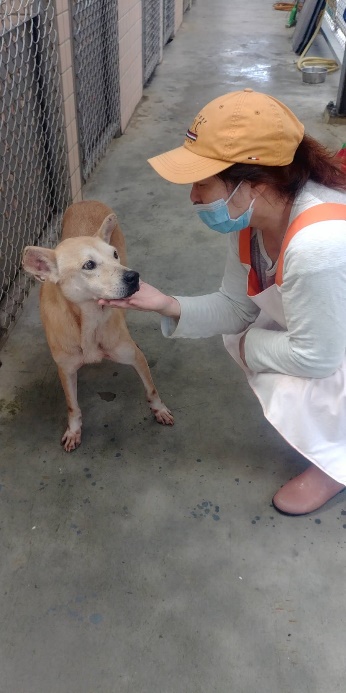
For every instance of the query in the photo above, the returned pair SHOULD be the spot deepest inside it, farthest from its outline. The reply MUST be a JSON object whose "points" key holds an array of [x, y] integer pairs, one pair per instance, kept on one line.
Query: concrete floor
{"points": [[151, 559]]}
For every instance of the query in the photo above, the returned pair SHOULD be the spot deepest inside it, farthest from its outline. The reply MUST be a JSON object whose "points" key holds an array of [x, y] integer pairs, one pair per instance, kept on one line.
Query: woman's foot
{"points": [[306, 492]]}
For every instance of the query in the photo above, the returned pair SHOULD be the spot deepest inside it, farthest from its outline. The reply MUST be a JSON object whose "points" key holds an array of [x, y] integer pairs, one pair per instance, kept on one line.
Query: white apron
{"points": [[309, 413]]}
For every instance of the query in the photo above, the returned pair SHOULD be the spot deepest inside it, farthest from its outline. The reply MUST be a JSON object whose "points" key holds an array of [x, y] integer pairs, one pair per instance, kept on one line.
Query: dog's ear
{"points": [[109, 224], [41, 262]]}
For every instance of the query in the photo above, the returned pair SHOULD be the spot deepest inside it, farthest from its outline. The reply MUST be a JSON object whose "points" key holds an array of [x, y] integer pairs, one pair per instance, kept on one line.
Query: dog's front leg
{"points": [[128, 352], [72, 436]]}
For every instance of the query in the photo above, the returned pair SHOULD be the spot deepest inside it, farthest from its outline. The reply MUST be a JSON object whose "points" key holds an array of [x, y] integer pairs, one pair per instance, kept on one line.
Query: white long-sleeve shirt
{"points": [[313, 297]]}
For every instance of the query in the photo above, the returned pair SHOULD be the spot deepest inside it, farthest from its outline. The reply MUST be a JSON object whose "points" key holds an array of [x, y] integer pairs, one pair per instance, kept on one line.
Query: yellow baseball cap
{"points": [[244, 127]]}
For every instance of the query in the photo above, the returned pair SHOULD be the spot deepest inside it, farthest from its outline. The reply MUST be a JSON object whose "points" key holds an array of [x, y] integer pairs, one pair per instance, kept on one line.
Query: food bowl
{"points": [[314, 74]]}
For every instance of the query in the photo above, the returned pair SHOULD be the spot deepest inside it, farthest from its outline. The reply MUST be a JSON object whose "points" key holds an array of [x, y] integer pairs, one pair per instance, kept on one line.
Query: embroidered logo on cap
{"points": [[191, 135]]}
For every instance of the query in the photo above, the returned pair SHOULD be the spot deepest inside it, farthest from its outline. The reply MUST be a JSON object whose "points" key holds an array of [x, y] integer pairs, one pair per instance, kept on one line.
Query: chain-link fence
{"points": [[151, 18], [168, 20], [34, 175], [335, 22], [33, 165], [96, 52]]}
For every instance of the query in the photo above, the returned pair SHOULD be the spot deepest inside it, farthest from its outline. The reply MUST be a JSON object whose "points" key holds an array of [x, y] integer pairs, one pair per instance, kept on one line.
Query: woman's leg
{"points": [[306, 492]]}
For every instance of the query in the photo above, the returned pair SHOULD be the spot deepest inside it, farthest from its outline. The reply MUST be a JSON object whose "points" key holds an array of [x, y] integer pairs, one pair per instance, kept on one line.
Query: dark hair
{"points": [[312, 161]]}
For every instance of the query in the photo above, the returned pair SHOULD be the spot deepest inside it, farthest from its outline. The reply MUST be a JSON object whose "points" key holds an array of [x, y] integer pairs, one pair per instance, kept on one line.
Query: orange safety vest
{"points": [[326, 211]]}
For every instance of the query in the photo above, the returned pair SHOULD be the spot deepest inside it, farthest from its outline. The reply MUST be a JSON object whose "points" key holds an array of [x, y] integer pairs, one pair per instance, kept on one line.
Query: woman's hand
{"points": [[147, 298]]}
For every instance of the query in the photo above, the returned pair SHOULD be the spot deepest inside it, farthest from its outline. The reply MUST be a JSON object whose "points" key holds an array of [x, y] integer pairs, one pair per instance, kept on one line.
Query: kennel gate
{"points": [[33, 163], [151, 20], [96, 55], [168, 20]]}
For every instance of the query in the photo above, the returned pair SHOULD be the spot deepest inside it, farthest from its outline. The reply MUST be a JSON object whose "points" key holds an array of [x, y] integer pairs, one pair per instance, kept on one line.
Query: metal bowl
{"points": [[314, 74]]}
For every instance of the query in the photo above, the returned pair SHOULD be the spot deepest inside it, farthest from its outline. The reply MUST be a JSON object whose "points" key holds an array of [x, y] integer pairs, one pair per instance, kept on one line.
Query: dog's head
{"points": [[86, 268]]}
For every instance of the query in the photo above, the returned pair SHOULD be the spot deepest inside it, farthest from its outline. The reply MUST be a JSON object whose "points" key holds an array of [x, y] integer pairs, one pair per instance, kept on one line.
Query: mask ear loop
{"points": [[234, 192]]}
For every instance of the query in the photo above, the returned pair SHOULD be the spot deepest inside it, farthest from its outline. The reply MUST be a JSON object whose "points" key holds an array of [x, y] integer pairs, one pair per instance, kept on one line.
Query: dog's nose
{"points": [[131, 278]]}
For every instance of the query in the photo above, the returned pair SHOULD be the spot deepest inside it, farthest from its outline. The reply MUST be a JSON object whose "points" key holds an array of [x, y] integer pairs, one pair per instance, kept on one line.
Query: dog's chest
{"points": [[93, 330]]}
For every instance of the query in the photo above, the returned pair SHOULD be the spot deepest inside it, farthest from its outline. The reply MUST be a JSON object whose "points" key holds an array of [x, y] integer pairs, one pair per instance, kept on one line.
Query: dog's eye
{"points": [[90, 265], [116, 255]]}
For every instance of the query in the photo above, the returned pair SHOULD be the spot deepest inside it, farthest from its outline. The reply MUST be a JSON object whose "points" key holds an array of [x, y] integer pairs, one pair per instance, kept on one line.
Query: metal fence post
{"points": [[341, 97]]}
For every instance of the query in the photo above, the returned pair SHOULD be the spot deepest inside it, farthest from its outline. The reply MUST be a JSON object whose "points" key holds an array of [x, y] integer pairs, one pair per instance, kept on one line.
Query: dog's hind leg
{"points": [[73, 434], [127, 352]]}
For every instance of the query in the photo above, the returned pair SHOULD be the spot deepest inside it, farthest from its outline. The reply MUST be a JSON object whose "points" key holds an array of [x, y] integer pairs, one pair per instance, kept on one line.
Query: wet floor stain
{"points": [[206, 509], [78, 609], [95, 619], [107, 396], [75, 528], [343, 513], [88, 475]]}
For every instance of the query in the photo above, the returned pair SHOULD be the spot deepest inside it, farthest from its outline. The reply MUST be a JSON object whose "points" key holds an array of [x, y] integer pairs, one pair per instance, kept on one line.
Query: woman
{"points": [[281, 308]]}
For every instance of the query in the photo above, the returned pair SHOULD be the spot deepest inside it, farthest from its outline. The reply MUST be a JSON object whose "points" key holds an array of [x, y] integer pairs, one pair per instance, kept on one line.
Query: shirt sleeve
{"points": [[227, 311], [314, 304]]}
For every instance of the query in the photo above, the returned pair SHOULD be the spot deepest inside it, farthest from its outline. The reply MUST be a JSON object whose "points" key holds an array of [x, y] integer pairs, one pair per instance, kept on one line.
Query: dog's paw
{"points": [[71, 439], [164, 415]]}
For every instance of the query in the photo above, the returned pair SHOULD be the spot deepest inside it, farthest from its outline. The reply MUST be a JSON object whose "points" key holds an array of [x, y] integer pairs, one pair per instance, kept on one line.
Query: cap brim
{"points": [[183, 166]]}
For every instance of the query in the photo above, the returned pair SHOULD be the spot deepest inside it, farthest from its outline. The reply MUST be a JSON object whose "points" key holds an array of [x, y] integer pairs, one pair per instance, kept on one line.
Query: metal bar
{"points": [[341, 97]]}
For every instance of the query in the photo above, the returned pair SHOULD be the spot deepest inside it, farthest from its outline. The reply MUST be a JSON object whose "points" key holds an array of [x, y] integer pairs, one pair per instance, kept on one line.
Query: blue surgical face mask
{"points": [[216, 215]]}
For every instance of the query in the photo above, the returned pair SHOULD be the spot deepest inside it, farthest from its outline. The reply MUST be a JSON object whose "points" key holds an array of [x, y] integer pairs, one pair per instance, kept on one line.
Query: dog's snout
{"points": [[131, 278]]}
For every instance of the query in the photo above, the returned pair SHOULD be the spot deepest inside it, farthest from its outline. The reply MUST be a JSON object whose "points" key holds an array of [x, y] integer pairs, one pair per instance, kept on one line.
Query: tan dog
{"points": [[88, 264]]}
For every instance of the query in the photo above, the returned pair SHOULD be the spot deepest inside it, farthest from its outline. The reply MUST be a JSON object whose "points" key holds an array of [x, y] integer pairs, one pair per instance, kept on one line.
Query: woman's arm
{"points": [[227, 311]]}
